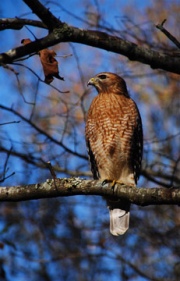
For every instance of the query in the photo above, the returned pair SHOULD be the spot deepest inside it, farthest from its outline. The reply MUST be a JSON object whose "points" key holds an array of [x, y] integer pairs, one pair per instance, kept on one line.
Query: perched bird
{"points": [[115, 141]]}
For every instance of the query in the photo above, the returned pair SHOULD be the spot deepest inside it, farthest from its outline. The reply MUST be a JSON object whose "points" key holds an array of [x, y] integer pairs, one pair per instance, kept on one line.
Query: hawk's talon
{"points": [[113, 182], [104, 182]]}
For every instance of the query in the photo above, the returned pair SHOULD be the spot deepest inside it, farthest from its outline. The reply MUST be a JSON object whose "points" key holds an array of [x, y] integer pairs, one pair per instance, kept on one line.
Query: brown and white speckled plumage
{"points": [[114, 140]]}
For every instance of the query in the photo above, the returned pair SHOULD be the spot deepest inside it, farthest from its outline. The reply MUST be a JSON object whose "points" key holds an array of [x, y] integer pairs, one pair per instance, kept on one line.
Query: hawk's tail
{"points": [[119, 218]]}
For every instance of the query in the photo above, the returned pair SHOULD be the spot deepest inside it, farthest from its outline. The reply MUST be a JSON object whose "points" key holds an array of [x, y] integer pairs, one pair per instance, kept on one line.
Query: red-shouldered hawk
{"points": [[115, 141]]}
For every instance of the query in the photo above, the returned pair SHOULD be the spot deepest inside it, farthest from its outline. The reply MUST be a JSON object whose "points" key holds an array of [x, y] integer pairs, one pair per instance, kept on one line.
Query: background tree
{"points": [[68, 238]]}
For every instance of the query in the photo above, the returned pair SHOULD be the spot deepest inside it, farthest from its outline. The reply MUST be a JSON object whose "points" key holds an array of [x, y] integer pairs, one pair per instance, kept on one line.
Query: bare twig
{"points": [[63, 92], [10, 68], [31, 33], [51, 169], [21, 92], [41, 131], [5, 169], [11, 122], [16, 23], [168, 34]]}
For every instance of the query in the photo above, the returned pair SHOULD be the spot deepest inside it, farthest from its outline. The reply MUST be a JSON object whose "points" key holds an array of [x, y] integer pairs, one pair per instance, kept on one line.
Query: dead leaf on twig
{"points": [[25, 41], [49, 63]]}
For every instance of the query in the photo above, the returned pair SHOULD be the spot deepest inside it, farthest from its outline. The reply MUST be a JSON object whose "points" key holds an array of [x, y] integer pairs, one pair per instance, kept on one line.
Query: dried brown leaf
{"points": [[50, 65], [48, 61], [26, 41]]}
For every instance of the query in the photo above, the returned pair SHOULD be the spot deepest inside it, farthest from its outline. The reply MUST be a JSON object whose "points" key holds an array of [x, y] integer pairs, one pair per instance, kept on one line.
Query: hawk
{"points": [[114, 140]]}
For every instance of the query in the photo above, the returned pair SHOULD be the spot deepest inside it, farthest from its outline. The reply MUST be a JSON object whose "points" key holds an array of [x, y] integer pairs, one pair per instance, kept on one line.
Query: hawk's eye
{"points": [[103, 76]]}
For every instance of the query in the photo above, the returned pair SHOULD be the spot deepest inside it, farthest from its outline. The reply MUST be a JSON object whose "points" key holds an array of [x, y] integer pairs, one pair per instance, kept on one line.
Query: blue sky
{"points": [[112, 12]]}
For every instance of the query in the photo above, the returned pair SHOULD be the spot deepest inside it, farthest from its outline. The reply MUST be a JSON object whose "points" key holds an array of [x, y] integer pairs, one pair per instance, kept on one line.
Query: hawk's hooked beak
{"points": [[91, 81]]}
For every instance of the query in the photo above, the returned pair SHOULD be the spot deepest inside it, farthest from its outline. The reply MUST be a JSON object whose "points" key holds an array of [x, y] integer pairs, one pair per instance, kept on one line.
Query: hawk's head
{"points": [[107, 82]]}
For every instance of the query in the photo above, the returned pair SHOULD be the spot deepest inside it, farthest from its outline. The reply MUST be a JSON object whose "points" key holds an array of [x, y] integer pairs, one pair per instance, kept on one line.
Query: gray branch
{"points": [[17, 24], [76, 186], [62, 32]]}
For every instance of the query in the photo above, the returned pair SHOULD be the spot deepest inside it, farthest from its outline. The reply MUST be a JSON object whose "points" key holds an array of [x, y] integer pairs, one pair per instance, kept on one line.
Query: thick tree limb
{"points": [[76, 186], [44, 14], [99, 40], [62, 32]]}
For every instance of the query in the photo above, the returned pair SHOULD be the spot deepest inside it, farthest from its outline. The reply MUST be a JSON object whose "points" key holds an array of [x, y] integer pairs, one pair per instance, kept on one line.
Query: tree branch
{"points": [[62, 32], [168, 34], [99, 40], [76, 186], [44, 14], [16, 23]]}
